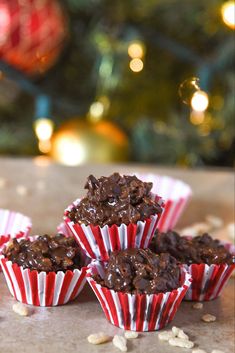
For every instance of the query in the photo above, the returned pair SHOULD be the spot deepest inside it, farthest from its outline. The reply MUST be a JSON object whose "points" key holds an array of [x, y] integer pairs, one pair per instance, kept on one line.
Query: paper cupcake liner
{"points": [[208, 281], [138, 312], [99, 242], [42, 288], [175, 194], [65, 230], [13, 225]]}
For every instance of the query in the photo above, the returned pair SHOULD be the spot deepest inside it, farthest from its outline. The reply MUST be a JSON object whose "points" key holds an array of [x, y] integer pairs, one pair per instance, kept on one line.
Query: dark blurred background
{"points": [[96, 80]]}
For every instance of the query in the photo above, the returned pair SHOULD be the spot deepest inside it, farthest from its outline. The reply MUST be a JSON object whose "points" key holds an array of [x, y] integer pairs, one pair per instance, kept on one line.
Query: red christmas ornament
{"points": [[32, 33]]}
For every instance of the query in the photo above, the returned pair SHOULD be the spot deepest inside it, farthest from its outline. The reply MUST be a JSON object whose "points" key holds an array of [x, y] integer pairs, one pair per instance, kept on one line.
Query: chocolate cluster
{"points": [[114, 200], [139, 271], [46, 253], [197, 250]]}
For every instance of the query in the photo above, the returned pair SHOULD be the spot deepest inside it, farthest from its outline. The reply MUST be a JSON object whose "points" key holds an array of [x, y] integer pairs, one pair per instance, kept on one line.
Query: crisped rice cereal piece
{"points": [[120, 343], [20, 309], [98, 338], [198, 306], [166, 335], [131, 334], [180, 342], [179, 333], [208, 318]]}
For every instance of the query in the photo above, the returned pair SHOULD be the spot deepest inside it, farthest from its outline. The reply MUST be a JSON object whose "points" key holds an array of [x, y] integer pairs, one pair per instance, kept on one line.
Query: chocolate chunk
{"points": [[140, 271], [197, 250], [46, 253], [114, 200]]}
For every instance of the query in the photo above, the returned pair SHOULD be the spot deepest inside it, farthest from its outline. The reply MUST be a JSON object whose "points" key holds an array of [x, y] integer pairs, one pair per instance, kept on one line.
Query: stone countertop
{"points": [[64, 329], [49, 189]]}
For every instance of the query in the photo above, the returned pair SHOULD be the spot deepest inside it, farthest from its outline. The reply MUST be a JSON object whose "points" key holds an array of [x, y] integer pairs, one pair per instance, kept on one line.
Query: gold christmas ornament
{"points": [[79, 141]]}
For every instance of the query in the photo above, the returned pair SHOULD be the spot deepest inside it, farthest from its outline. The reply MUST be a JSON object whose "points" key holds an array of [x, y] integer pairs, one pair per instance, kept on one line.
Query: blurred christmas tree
{"points": [[123, 61]]}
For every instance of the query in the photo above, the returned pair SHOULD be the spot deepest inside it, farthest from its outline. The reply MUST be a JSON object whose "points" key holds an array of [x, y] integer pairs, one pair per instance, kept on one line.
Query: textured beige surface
{"points": [[64, 329], [213, 191]]}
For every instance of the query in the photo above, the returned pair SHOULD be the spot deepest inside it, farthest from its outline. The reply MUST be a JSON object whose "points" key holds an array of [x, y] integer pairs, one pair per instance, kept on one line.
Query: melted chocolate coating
{"points": [[114, 200], [199, 249], [140, 271], [46, 253]]}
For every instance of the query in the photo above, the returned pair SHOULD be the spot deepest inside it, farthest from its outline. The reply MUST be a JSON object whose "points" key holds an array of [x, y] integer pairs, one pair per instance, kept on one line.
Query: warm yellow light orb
{"points": [[136, 50], [200, 101], [69, 150], [96, 110], [136, 65], [228, 13], [197, 118], [43, 129], [44, 146]]}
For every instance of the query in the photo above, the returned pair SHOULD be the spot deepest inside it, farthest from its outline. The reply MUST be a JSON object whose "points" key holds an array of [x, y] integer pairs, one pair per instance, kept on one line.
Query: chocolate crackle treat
{"points": [[209, 262], [137, 289], [44, 270], [45, 253], [139, 271], [197, 250], [115, 200]]}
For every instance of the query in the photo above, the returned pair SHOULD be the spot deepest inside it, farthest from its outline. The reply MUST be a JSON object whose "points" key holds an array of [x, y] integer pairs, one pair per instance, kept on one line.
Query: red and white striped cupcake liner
{"points": [[99, 242], [64, 229], [208, 281], [42, 288], [13, 225], [137, 312], [175, 194]]}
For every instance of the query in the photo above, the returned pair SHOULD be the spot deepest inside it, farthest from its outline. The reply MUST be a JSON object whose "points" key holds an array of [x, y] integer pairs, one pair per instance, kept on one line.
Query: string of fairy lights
{"points": [[136, 51]]}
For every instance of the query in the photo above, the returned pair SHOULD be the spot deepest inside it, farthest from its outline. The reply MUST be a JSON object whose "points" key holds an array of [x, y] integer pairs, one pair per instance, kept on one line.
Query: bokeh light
{"points": [[5, 21], [43, 128], [187, 89], [228, 13], [197, 118], [96, 111], [200, 101], [44, 146], [136, 50], [68, 150], [136, 65]]}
